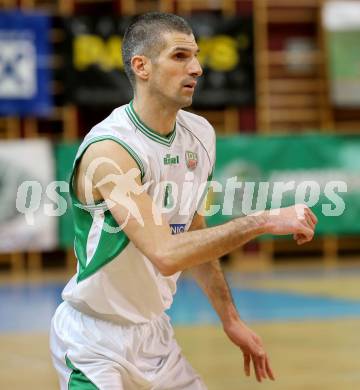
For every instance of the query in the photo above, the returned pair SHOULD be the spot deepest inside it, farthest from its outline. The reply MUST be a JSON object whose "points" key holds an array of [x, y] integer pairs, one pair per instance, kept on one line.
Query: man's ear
{"points": [[141, 66]]}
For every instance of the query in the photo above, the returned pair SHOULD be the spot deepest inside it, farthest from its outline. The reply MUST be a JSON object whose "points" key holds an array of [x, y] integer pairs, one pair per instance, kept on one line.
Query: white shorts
{"points": [[90, 354]]}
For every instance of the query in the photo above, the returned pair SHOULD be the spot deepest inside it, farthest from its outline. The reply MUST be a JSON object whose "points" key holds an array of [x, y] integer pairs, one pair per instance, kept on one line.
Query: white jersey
{"points": [[114, 280]]}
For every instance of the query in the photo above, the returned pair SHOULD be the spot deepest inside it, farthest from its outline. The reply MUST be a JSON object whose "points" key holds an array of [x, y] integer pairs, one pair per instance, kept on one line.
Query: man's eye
{"points": [[180, 55]]}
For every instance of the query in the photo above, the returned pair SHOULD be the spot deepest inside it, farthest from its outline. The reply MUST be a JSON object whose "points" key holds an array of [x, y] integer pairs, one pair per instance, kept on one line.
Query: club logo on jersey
{"points": [[177, 228], [171, 160], [191, 160]]}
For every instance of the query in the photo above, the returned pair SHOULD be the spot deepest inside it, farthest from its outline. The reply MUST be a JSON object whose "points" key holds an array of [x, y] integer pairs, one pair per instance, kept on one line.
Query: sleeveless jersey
{"points": [[114, 280]]}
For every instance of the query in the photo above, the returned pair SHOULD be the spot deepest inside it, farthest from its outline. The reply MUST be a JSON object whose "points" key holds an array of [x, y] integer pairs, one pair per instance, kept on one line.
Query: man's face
{"points": [[175, 70]]}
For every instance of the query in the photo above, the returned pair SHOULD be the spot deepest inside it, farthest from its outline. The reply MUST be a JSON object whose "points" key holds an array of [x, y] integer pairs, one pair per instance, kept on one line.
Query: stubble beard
{"points": [[178, 100]]}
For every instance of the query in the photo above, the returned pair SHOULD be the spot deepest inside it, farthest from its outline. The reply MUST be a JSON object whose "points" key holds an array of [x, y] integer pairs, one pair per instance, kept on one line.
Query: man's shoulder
{"points": [[190, 119], [117, 118], [116, 125], [199, 126]]}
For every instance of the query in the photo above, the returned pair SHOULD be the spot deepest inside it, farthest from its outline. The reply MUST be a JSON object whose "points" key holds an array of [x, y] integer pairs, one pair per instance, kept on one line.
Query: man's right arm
{"points": [[172, 253]]}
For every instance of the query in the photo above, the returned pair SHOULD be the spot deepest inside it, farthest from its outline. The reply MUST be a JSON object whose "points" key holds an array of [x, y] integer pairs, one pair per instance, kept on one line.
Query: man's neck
{"points": [[157, 115]]}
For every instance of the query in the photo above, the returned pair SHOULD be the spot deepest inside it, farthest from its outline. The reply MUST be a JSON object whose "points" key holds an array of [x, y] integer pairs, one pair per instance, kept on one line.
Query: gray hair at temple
{"points": [[144, 36]]}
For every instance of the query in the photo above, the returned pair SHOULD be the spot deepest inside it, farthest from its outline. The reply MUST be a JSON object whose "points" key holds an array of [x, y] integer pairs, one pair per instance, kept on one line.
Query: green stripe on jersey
{"points": [[164, 140], [78, 380], [132, 153], [94, 246]]}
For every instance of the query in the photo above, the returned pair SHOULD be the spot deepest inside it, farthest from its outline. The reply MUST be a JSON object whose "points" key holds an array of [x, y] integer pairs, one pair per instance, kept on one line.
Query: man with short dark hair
{"points": [[137, 180]]}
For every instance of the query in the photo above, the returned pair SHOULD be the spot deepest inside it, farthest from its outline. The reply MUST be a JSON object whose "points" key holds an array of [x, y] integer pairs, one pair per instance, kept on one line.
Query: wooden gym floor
{"points": [[309, 321]]}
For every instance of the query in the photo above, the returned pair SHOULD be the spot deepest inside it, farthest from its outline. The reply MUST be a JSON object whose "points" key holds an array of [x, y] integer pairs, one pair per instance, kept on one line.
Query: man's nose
{"points": [[195, 68]]}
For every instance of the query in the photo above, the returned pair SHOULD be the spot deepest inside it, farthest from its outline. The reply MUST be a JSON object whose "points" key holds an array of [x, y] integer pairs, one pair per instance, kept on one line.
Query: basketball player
{"points": [[111, 331]]}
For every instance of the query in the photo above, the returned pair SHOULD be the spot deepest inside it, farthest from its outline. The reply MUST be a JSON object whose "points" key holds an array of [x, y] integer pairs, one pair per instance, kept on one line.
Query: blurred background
{"points": [[281, 86]]}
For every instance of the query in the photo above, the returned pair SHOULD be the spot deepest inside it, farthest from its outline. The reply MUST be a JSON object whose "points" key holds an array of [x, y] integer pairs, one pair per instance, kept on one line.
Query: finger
{"points": [[301, 239], [269, 371], [261, 355], [260, 360], [310, 219], [255, 361], [313, 216], [297, 238], [306, 231], [308, 223], [263, 366], [247, 361]]}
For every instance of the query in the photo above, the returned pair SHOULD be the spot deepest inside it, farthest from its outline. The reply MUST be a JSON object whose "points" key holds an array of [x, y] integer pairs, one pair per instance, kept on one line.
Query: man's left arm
{"points": [[211, 279]]}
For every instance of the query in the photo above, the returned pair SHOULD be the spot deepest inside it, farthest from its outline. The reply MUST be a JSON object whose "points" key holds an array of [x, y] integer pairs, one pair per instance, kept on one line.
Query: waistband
{"points": [[84, 308]]}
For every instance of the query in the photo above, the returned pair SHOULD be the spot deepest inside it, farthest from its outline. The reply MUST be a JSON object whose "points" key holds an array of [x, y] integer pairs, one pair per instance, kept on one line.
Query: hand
{"points": [[252, 349], [298, 220]]}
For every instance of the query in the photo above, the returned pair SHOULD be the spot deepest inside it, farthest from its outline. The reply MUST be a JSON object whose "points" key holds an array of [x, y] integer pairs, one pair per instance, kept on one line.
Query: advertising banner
{"points": [[24, 64], [27, 208], [95, 70], [342, 24], [257, 172], [323, 171], [227, 58]]}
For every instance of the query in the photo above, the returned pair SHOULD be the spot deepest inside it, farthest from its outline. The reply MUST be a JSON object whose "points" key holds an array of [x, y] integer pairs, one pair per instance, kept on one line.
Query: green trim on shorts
{"points": [[78, 380]]}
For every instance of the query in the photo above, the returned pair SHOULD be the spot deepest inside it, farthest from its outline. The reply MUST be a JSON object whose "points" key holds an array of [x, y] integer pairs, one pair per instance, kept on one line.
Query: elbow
{"points": [[168, 270], [165, 265]]}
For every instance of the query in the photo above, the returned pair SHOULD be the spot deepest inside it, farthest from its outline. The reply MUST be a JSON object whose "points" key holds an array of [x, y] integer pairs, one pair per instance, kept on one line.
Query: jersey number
{"points": [[168, 197]]}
